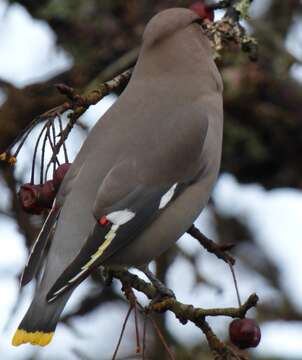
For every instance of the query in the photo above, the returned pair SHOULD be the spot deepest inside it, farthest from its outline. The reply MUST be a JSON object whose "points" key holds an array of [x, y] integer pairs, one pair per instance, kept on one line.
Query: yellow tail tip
{"points": [[35, 338]]}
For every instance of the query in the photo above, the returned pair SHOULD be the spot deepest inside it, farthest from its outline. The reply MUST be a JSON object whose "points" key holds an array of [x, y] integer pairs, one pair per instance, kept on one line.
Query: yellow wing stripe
{"points": [[109, 237], [108, 240], [35, 338]]}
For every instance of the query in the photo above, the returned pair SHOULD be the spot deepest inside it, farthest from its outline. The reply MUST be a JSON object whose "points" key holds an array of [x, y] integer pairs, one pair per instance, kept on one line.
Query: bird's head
{"points": [[170, 21], [174, 44]]}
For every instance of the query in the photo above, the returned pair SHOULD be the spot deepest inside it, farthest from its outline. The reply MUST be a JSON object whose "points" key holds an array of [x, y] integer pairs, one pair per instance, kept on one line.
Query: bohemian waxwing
{"points": [[143, 175]]}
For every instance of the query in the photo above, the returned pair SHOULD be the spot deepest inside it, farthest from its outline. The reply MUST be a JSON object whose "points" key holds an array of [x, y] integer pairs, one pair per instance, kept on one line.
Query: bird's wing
{"points": [[122, 211], [115, 229], [38, 248]]}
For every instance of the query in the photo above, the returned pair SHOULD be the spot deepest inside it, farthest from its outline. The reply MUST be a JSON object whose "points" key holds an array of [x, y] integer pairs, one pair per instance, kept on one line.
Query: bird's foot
{"points": [[107, 276], [162, 295]]}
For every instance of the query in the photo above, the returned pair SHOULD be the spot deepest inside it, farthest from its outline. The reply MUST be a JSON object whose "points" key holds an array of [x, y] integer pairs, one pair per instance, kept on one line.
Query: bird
{"points": [[141, 178]]}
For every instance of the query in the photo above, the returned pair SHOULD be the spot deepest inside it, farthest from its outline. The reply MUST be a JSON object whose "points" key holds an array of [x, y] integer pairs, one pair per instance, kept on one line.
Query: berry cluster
{"points": [[35, 198]]}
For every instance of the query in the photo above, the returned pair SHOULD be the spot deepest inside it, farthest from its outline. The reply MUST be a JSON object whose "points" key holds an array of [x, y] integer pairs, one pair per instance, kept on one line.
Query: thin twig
{"points": [[162, 339], [43, 156], [56, 160], [235, 284], [21, 144], [52, 145], [145, 336], [210, 245], [32, 178], [138, 345], [52, 142], [64, 145], [133, 303], [25, 132], [122, 333]]}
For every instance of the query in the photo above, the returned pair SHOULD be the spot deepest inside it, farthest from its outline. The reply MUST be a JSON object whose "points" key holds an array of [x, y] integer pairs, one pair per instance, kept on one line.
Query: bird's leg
{"points": [[162, 290], [106, 275]]}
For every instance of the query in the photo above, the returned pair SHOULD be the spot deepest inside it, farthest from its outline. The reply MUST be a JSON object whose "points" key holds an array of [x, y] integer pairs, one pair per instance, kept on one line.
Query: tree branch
{"points": [[186, 312], [228, 30], [210, 245]]}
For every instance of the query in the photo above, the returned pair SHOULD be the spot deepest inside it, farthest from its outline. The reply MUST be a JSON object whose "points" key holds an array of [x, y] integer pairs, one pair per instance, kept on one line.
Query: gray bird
{"points": [[143, 175]]}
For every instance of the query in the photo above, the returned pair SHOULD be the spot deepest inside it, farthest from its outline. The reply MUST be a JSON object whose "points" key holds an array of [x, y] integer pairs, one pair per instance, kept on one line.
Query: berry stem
{"points": [[32, 178], [235, 283], [21, 143], [64, 145], [56, 160], [23, 135], [145, 337], [162, 339], [122, 333], [52, 145], [138, 346], [43, 156]]}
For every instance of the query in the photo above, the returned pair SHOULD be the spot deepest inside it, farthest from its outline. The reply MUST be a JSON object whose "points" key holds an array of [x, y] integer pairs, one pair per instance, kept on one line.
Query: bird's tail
{"points": [[39, 323]]}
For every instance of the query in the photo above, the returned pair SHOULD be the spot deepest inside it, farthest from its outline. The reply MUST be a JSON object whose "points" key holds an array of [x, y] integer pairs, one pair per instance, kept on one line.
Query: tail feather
{"points": [[35, 338], [39, 323], [39, 246]]}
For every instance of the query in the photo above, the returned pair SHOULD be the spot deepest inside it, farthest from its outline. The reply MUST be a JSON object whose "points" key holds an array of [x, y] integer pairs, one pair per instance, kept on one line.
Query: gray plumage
{"points": [[155, 153]]}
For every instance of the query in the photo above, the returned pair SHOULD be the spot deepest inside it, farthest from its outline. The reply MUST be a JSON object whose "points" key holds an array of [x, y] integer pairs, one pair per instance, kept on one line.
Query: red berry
{"points": [[245, 333], [202, 10], [103, 221], [47, 195], [59, 174], [29, 196]]}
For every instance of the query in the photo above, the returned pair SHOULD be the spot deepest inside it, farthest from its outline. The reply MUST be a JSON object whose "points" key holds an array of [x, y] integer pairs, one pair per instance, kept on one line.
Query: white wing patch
{"points": [[120, 217], [166, 198]]}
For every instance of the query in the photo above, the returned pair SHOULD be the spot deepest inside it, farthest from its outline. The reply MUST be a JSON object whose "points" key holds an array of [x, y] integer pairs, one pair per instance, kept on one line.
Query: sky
{"points": [[28, 52]]}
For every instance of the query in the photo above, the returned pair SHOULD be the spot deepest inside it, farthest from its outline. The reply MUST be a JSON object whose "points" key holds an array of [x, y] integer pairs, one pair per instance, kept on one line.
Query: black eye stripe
{"points": [[198, 21]]}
